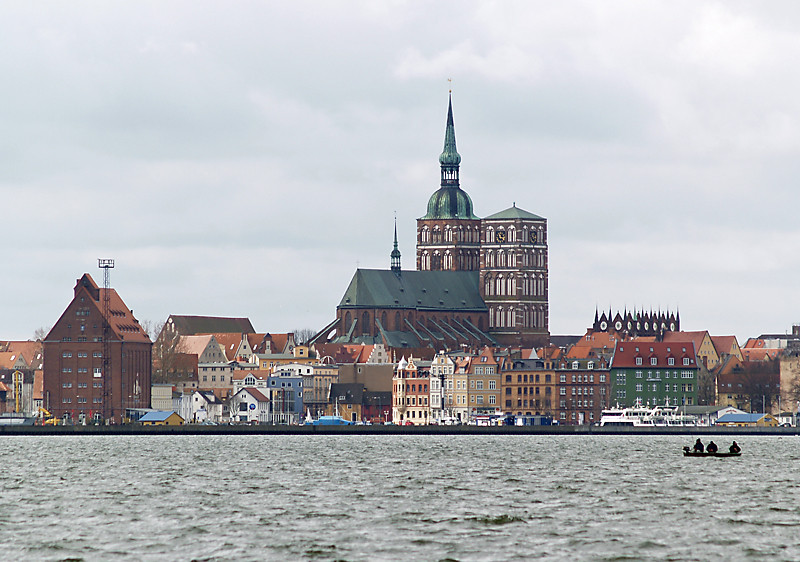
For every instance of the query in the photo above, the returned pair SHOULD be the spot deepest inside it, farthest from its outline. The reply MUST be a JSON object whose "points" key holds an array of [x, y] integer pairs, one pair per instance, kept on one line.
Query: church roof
{"points": [[450, 203], [513, 212], [192, 325], [421, 290]]}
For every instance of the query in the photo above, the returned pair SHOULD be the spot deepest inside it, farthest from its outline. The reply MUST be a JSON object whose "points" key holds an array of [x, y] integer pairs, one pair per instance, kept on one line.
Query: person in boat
{"points": [[698, 446], [711, 447], [734, 448]]}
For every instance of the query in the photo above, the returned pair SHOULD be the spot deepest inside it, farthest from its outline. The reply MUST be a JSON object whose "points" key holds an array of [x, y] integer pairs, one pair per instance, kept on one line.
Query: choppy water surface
{"points": [[396, 498]]}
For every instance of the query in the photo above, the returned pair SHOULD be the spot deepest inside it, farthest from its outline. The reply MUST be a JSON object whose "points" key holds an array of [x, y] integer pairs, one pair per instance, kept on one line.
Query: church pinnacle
{"points": [[450, 158], [395, 255]]}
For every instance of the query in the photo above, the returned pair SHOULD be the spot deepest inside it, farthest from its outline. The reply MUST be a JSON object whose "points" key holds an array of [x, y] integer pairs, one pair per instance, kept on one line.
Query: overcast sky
{"points": [[242, 159]]}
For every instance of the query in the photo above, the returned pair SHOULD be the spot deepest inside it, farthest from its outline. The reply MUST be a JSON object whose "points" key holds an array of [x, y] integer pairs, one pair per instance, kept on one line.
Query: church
{"points": [[478, 281]]}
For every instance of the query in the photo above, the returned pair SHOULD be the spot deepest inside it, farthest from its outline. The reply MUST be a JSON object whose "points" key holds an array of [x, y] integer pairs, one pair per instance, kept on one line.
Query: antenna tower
{"points": [[106, 265]]}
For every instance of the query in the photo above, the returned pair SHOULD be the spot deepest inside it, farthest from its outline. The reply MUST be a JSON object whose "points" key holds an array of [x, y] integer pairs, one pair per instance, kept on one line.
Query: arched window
{"points": [[365, 329], [347, 320], [487, 285], [397, 321], [383, 320], [498, 286]]}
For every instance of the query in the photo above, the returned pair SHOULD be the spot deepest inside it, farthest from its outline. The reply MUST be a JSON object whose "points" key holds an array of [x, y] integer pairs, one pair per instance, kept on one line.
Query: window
{"points": [[653, 361], [574, 364], [602, 378], [563, 378], [480, 398], [638, 360], [480, 385], [638, 374], [492, 385], [563, 391], [671, 361], [686, 361], [66, 354], [98, 372]]}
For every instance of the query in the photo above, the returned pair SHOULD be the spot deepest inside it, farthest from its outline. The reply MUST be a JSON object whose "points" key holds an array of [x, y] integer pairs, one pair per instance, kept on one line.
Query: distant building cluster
{"points": [[463, 338]]}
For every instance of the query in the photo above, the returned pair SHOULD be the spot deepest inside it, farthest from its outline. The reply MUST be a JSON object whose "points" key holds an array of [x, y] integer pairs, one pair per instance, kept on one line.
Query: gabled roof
{"points": [[255, 393], [160, 415], [229, 342], [695, 337], [124, 326], [195, 345], [192, 325], [346, 393], [740, 418], [724, 344], [30, 350], [420, 290], [513, 212]]}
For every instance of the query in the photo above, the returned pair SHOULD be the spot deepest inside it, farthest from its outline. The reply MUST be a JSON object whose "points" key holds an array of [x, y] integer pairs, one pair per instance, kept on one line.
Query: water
{"points": [[424, 497]]}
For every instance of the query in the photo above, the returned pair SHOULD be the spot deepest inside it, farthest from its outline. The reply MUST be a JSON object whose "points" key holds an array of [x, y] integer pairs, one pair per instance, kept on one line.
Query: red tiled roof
{"points": [[626, 353], [694, 337], [724, 344], [255, 393]]}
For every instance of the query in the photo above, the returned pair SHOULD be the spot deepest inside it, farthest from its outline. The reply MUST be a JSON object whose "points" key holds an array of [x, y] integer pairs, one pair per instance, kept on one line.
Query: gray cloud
{"points": [[243, 160]]}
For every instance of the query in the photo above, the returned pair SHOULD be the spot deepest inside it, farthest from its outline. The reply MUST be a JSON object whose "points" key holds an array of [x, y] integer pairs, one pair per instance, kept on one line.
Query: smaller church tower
{"points": [[395, 255], [448, 236]]}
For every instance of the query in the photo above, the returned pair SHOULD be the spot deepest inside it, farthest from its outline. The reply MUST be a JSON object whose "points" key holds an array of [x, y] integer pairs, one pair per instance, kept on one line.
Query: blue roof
{"points": [[156, 416], [740, 418]]}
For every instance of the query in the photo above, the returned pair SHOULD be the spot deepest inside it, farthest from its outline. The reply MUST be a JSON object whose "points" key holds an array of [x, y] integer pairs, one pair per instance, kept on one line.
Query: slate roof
{"points": [[420, 290], [192, 325]]}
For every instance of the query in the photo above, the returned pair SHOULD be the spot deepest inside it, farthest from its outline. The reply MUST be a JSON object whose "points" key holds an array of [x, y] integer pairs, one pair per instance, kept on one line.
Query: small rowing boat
{"points": [[689, 453]]}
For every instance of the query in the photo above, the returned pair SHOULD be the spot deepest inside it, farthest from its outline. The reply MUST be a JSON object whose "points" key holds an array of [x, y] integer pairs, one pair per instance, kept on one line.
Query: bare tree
{"points": [[706, 386], [171, 364], [302, 335], [40, 333]]}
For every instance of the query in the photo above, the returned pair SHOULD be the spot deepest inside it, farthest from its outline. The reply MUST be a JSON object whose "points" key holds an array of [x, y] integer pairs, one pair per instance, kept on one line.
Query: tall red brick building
{"points": [[87, 378]]}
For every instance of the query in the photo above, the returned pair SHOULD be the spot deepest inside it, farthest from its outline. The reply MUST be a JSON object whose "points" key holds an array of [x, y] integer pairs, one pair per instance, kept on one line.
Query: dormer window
{"points": [[574, 364], [671, 361], [685, 360], [653, 360], [638, 360]]}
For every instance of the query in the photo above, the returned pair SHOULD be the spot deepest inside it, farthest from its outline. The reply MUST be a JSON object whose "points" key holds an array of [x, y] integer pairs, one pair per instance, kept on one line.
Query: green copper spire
{"points": [[450, 201], [450, 156], [395, 255]]}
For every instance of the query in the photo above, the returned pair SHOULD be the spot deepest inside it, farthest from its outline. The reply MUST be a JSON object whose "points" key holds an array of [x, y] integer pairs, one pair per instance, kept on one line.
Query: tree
{"points": [[302, 335], [706, 386], [40, 333], [170, 361]]}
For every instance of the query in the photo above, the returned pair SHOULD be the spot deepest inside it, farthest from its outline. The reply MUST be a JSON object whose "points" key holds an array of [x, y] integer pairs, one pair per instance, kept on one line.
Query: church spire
{"points": [[395, 255], [450, 158]]}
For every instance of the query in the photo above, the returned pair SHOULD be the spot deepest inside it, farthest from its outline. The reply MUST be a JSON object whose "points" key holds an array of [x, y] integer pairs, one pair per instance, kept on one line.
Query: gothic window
{"points": [[436, 261], [397, 321], [347, 320], [498, 288], [490, 235], [512, 234], [383, 320], [448, 234], [489, 258], [365, 323], [501, 258], [510, 319], [498, 322], [448, 259], [487, 285], [480, 323], [437, 235], [512, 286]]}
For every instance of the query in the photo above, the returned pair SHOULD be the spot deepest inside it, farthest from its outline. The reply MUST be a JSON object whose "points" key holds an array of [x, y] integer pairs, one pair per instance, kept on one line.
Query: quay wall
{"points": [[386, 430]]}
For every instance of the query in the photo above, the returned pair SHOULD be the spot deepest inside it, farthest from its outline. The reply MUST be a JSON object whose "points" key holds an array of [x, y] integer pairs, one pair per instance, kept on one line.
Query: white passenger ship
{"points": [[640, 416]]}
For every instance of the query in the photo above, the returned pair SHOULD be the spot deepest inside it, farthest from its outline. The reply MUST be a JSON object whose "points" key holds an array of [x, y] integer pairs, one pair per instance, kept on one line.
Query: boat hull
{"points": [[707, 454]]}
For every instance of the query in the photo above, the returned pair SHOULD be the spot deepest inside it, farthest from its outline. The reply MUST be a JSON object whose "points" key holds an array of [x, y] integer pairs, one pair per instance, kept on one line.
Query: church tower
{"points": [[448, 236], [514, 277]]}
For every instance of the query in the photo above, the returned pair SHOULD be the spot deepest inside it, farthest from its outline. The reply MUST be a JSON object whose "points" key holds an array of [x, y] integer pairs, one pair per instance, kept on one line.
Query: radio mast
{"points": [[106, 265]]}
